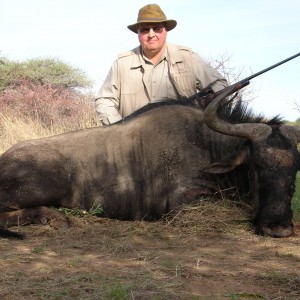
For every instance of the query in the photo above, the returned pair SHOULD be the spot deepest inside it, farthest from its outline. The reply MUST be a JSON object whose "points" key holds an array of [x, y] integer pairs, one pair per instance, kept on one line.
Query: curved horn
{"points": [[254, 132]]}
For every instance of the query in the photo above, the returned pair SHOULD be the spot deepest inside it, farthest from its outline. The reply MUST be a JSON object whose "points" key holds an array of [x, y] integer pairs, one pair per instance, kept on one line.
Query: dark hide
{"points": [[143, 168]]}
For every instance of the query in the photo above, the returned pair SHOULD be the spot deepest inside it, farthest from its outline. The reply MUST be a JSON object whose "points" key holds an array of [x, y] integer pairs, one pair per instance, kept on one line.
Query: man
{"points": [[154, 71]]}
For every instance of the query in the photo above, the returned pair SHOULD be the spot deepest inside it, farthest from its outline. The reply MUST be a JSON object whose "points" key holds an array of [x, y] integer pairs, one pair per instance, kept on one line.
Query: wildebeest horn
{"points": [[254, 132]]}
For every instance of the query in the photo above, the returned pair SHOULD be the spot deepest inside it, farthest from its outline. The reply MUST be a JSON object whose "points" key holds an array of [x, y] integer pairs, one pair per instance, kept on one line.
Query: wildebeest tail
{"points": [[5, 233]]}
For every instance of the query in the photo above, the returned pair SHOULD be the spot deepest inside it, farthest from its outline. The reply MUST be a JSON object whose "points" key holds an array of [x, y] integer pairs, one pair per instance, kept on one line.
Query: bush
{"points": [[31, 112], [45, 103]]}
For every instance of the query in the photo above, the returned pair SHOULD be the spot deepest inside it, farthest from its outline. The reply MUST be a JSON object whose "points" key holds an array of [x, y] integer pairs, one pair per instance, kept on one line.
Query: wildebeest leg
{"points": [[41, 214]]}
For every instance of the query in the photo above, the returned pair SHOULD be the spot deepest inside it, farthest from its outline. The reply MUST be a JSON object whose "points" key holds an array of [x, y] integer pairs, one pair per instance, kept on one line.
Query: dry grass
{"points": [[207, 214]]}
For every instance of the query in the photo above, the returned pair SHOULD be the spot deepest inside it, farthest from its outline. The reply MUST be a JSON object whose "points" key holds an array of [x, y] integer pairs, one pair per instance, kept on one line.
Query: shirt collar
{"points": [[139, 59]]}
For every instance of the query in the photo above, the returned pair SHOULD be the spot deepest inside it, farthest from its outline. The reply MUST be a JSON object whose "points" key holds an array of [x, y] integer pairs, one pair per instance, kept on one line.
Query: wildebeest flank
{"points": [[152, 163]]}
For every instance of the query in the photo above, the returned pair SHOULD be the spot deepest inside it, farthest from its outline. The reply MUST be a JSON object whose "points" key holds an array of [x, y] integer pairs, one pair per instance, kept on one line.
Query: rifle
{"points": [[207, 95]]}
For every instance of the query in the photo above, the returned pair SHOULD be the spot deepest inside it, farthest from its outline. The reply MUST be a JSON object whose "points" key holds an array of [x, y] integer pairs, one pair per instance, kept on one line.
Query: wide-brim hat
{"points": [[152, 13]]}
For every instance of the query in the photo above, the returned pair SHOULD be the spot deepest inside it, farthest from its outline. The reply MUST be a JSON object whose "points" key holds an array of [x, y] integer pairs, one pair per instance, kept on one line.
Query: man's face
{"points": [[152, 37]]}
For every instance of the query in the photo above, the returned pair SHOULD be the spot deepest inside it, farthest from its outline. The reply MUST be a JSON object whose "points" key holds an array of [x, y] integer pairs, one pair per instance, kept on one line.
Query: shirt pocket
{"points": [[132, 82], [184, 80]]}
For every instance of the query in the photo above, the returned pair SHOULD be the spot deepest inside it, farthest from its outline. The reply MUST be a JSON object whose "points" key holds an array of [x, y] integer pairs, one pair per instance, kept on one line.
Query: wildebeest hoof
{"points": [[60, 224], [43, 221], [277, 230]]}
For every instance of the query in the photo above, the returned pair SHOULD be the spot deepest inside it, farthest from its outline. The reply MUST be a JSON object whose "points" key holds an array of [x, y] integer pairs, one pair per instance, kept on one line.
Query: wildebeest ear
{"points": [[292, 133], [228, 164]]}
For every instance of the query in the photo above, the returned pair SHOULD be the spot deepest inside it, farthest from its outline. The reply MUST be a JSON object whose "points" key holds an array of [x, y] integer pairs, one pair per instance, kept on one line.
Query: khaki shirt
{"points": [[133, 81]]}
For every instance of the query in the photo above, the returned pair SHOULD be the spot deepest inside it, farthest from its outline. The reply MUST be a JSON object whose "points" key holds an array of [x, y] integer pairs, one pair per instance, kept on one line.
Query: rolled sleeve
{"points": [[107, 111]]}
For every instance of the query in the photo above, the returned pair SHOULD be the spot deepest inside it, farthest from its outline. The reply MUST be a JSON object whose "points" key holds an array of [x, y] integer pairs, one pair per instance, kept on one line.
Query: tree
{"points": [[41, 71], [232, 75]]}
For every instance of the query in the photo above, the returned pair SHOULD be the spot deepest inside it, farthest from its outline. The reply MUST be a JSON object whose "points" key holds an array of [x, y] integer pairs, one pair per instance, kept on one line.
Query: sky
{"points": [[89, 34]]}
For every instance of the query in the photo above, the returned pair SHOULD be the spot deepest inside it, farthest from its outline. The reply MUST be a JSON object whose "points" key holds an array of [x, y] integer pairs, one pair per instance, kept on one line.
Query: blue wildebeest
{"points": [[157, 160]]}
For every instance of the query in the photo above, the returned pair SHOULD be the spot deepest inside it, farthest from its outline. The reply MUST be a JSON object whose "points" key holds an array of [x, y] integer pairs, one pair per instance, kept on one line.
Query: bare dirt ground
{"points": [[207, 251]]}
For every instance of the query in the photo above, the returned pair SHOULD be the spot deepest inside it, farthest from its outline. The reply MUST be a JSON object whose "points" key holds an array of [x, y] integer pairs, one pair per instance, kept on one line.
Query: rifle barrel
{"points": [[270, 68], [208, 95]]}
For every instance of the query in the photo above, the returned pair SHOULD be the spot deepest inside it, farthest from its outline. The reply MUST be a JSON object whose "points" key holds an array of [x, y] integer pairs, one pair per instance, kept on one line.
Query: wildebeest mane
{"points": [[236, 112], [167, 102], [239, 113]]}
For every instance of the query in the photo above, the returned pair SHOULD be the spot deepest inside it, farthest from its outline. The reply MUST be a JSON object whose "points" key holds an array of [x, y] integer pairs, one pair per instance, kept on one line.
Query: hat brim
{"points": [[169, 24]]}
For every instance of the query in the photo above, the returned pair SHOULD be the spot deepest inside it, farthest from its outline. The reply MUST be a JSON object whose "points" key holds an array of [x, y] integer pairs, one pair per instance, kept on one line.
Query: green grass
{"points": [[239, 296], [117, 291], [296, 199], [95, 210]]}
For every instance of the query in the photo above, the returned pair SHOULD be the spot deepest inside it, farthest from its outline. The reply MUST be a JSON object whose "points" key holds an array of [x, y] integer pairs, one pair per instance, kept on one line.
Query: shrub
{"points": [[45, 103], [28, 112]]}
